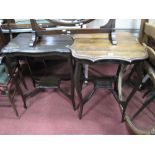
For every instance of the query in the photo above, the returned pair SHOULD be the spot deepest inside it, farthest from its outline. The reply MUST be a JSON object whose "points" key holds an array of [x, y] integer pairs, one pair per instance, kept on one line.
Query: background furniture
{"points": [[10, 84], [147, 38], [10, 77]]}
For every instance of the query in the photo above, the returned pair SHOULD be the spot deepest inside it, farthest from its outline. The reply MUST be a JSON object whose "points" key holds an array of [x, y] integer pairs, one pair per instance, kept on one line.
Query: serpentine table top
{"points": [[91, 47], [20, 45], [95, 47]]}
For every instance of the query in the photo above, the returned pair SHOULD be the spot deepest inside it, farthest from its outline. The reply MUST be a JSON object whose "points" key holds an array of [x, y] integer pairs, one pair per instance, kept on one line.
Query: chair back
{"points": [[147, 37]]}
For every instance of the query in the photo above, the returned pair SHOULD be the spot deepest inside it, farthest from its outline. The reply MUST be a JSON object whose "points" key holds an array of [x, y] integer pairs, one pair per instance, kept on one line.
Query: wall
{"points": [[120, 23]]}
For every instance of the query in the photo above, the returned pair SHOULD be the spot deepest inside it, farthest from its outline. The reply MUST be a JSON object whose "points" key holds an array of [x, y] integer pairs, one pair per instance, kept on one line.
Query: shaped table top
{"points": [[20, 45], [95, 47]]}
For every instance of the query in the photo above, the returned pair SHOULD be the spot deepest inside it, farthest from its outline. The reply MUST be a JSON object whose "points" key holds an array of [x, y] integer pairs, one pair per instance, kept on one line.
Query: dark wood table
{"points": [[46, 47], [20, 45]]}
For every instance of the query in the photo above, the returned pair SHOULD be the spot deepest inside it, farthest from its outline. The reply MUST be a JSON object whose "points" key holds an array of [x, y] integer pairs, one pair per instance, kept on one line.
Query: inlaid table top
{"points": [[47, 44], [96, 47]]}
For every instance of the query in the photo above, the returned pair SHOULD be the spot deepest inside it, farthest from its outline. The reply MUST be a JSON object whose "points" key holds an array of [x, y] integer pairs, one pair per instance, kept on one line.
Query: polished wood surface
{"points": [[24, 24], [96, 47], [18, 26], [21, 26], [74, 31], [91, 47], [46, 44]]}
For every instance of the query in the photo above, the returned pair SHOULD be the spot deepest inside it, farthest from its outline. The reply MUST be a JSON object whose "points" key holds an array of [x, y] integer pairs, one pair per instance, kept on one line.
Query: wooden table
{"points": [[46, 47], [96, 48], [87, 49]]}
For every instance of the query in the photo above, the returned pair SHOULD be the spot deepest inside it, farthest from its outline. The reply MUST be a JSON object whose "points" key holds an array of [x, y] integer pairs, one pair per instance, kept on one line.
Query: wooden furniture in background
{"points": [[147, 38], [10, 77]]}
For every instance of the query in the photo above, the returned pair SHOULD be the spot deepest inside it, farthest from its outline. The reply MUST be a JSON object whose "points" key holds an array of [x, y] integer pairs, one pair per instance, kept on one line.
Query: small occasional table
{"points": [[47, 46], [97, 48]]}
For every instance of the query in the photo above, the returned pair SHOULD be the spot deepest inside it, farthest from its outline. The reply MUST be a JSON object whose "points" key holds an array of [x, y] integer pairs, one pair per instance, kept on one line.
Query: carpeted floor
{"points": [[49, 112]]}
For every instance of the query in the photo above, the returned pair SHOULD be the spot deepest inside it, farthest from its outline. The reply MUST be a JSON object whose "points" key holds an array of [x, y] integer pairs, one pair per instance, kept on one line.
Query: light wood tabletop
{"points": [[96, 47]]}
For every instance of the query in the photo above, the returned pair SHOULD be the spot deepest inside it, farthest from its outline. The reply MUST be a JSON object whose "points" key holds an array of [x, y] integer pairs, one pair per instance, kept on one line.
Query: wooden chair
{"points": [[147, 38]]}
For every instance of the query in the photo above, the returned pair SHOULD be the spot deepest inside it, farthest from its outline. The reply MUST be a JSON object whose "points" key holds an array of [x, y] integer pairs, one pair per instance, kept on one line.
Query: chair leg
{"points": [[146, 103], [12, 104]]}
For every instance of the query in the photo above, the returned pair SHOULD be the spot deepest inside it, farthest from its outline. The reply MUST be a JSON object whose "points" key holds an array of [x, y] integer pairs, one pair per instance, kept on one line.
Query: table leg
{"points": [[28, 64], [13, 104], [72, 81], [78, 86]]}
